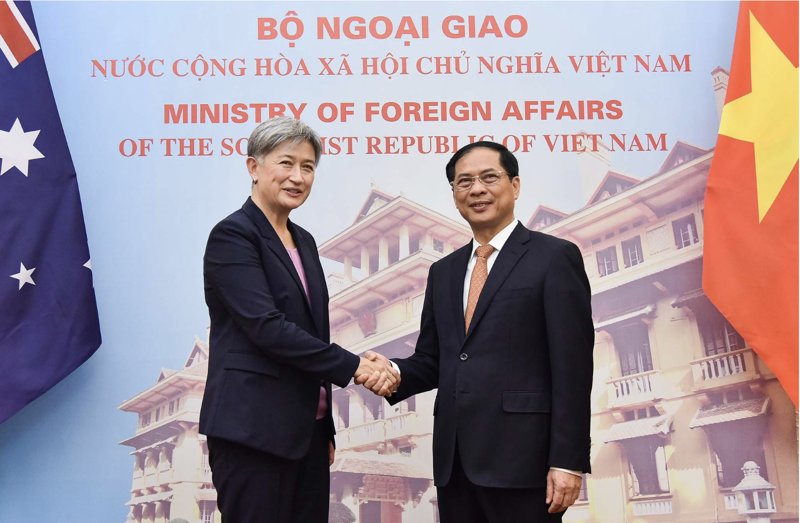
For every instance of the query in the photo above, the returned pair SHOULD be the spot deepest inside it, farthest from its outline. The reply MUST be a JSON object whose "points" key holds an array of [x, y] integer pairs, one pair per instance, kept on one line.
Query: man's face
{"points": [[485, 207]]}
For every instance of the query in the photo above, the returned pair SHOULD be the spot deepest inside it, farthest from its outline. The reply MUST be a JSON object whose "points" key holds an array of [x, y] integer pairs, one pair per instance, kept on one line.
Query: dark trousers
{"points": [[461, 501], [256, 487]]}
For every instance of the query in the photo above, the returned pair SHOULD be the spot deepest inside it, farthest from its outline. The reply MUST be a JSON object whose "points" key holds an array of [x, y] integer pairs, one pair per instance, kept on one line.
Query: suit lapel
{"points": [[274, 242], [313, 278], [508, 257], [457, 274]]}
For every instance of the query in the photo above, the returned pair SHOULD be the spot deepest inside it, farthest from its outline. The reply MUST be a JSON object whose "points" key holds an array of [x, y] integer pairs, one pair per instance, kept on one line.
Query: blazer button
{"points": [[464, 356]]}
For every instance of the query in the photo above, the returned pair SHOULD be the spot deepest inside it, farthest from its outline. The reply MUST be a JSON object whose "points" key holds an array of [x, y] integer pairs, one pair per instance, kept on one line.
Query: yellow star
{"points": [[767, 116]]}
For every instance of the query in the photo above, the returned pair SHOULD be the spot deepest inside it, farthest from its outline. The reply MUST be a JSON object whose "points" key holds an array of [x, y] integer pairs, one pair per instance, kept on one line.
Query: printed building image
{"points": [[680, 401], [171, 474]]}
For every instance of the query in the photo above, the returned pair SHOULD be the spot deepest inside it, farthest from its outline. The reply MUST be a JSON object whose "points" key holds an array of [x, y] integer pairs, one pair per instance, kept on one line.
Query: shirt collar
{"points": [[499, 239]]}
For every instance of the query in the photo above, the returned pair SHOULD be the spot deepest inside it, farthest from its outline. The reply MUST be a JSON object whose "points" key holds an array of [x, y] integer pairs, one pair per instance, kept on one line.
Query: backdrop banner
{"points": [[613, 111]]}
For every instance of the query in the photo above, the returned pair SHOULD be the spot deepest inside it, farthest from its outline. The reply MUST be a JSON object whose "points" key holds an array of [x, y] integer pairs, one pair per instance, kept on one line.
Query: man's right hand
{"points": [[377, 372]]}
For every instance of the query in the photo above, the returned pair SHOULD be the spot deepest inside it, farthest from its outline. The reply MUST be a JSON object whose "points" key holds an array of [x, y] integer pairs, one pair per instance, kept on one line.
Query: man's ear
{"points": [[515, 183]]}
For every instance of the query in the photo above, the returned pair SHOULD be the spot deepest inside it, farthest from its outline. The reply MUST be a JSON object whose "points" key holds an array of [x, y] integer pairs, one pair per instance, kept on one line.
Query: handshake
{"points": [[377, 374]]}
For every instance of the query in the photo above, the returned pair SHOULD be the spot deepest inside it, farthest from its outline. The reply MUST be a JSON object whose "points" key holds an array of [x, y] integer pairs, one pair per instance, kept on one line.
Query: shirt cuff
{"points": [[573, 472], [394, 366]]}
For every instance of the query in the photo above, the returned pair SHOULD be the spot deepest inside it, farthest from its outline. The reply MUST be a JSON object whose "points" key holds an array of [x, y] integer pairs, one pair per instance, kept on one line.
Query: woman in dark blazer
{"points": [[266, 411]]}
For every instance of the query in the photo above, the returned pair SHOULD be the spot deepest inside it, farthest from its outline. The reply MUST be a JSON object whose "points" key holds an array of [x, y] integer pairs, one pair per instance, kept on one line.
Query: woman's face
{"points": [[284, 176]]}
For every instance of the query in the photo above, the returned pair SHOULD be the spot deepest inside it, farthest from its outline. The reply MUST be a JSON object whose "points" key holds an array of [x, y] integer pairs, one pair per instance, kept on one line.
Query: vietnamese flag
{"points": [[751, 207]]}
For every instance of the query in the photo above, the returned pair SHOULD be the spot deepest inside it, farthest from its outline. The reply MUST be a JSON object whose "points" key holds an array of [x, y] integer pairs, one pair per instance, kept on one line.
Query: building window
{"points": [[647, 461], [607, 261], [632, 251], [584, 494], [685, 231], [633, 347], [172, 407], [158, 414], [146, 420], [167, 506], [731, 453], [719, 336], [207, 509], [438, 245]]}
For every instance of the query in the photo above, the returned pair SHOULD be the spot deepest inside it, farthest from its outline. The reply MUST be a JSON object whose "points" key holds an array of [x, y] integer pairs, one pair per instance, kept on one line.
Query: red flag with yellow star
{"points": [[751, 206]]}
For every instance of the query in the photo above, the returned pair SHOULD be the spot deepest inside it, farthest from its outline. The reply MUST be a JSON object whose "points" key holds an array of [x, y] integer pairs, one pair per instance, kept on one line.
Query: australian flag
{"points": [[48, 312]]}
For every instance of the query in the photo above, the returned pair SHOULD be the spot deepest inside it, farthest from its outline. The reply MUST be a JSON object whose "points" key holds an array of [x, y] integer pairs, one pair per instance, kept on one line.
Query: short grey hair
{"points": [[273, 132]]}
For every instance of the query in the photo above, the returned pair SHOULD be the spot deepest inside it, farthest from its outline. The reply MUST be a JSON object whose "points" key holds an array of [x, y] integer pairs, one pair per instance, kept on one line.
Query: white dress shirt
{"points": [[498, 242]]}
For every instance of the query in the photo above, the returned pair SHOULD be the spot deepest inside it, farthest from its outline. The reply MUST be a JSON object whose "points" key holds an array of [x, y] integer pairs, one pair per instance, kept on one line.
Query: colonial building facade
{"points": [[171, 474]]}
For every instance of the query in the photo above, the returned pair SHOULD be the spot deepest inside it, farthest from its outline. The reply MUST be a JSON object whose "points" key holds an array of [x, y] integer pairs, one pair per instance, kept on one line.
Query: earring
{"points": [[255, 181]]}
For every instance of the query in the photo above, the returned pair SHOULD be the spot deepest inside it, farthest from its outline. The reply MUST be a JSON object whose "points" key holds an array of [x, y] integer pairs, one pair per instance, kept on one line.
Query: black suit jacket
{"points": [[269, 347], [515, 390]]}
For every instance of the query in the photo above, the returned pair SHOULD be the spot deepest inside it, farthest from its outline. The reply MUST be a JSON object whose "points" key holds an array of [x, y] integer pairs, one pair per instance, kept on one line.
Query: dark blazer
{"points": [[515, 390], [269, 347]]}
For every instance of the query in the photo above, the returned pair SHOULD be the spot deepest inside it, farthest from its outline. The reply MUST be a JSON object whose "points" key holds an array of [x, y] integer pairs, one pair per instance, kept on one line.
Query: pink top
{"points": [[322, 408]]}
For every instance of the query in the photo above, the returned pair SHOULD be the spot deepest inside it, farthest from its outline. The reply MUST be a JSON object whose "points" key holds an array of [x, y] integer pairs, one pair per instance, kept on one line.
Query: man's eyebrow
{"points": [[488, 169]]}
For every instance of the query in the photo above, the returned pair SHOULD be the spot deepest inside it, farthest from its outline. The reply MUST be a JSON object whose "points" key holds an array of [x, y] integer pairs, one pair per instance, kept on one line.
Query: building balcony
{"points": [[634, 390], [402, 426], [658, 506], [151, 479], [165, 476], [138, 480], [375, 434], [204, 474], [369, 434], [725, 369]]}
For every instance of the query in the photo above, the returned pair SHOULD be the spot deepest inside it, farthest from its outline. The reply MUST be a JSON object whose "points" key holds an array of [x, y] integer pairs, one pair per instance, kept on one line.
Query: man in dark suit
{"points": [[506, 335]]}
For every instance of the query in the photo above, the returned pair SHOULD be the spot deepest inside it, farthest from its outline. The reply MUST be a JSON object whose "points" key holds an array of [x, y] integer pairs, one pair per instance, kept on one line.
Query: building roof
{"points": [[198, 353], [681, 153], [657, 426], [687, 297], [198, 369], [542, 212], [379, 465], [151, 498], [407, 273], [172, 383], [375, 195], [624, 316], [643, 201], [735, 411], [166, 373], [386, 221], [169, 441], [611, 178]]}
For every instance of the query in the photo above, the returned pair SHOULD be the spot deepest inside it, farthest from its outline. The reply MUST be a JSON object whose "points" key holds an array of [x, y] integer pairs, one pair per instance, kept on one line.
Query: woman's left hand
{"points": [[331, 453]]}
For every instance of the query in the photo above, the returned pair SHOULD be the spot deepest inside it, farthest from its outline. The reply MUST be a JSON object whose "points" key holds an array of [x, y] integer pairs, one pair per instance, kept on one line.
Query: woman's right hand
{"points": [[378, 370]]}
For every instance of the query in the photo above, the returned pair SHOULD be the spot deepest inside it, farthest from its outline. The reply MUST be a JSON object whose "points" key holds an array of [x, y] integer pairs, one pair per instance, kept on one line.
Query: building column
{"points": [[383, 252], [448, 247], [364, 261], [427, 242], [348, 268], [405, 242], [357, 410]]}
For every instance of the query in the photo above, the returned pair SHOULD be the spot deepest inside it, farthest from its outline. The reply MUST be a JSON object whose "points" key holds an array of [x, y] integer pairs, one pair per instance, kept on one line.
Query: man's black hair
{"points": [[507, 160]]}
